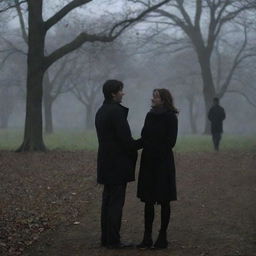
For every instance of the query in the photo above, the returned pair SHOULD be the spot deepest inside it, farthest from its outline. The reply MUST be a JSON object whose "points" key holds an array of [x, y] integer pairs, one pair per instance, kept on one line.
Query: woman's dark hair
{"points": [[167, 98], [111, 86]]}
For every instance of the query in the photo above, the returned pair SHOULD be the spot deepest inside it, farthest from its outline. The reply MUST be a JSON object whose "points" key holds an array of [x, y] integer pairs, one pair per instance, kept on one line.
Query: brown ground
{"points": [[50, 206]]}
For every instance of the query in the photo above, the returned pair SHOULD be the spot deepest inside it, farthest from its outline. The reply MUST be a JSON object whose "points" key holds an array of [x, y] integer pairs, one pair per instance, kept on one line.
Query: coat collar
{"points": [[109, 102], [159, 110], [125, 109]]}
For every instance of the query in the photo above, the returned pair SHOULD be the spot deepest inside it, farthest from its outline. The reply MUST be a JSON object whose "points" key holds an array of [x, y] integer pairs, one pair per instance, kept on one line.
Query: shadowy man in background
{"points": [[117, 155], [216, 116]]}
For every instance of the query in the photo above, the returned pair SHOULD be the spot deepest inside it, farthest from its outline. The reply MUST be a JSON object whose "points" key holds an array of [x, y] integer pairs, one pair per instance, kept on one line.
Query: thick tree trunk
{"points": [[33, 135], [208, 87], [48, 101]]}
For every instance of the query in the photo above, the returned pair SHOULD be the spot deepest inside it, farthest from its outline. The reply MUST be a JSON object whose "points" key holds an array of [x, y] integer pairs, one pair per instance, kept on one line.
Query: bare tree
{"points": [[38, 63], [244, 83], [55, 84], [202, 33], [187, 84], [11, 62], [240, 52]]}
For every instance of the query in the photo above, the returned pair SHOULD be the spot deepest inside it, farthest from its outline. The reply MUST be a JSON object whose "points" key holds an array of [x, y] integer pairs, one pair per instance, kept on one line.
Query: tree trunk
{"points": [[191, 115], [208, 87], [48, 101], [6, 107], [33, 135], [48, 115], [4, 121], [89, 121]]}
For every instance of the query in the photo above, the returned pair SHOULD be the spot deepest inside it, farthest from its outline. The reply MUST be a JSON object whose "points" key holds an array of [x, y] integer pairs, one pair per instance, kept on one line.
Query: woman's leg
{"points": [[149, 214], [161, 241], [148, 223], [165, 216]]}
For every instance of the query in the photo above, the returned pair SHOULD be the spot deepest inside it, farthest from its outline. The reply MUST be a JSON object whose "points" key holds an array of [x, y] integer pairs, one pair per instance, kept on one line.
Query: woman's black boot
{"points": [[147, 241], [161, 242]]}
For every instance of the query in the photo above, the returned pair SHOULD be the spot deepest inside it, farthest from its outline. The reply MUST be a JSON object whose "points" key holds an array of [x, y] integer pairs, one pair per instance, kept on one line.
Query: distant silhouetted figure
{"points": [[216, 116]]}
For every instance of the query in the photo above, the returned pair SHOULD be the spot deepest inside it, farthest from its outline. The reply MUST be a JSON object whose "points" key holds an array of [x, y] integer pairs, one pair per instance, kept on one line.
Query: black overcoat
{"points": [[216, 116], [117, 152], [157, 179]]}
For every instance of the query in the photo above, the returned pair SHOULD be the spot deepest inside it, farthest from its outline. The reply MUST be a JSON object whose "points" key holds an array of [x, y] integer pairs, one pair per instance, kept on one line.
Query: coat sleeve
{"points": [[172, 132], [141, 141], [123, 132]]}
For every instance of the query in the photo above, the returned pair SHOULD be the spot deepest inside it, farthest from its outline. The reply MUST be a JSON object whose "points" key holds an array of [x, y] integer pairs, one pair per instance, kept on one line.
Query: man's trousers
{"points": [[216, 137], [113, 198]]}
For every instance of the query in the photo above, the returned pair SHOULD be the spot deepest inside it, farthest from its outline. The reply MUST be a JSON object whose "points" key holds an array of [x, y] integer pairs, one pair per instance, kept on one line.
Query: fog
{"points": [[144, 57]]}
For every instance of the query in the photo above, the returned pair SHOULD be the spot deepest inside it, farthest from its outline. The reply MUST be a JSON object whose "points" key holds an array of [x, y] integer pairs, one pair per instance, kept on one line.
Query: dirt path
{"points": [[215, 213]]}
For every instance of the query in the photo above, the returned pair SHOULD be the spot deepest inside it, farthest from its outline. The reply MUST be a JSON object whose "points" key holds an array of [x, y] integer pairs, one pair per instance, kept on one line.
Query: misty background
{"points": [[148, 55]]}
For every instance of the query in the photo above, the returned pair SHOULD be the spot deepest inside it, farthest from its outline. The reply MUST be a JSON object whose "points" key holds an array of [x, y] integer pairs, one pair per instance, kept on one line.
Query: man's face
{"points": [[117, 97]]}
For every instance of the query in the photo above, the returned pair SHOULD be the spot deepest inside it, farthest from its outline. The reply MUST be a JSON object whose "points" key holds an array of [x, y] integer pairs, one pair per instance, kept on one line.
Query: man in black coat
{"points": [[117, 155], [216, 116]]}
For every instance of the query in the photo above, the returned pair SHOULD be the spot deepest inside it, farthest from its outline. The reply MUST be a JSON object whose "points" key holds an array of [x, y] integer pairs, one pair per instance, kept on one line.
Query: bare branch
{"points": [[244, 95], [126, 23], [221, 20], [222, 9], [14, 47], [9, 54], [59, 71], [76, 43], [22, 23], [219, 63], [139, 1], [177, 21], [198, 14], [237, 60], [12, 6], [85, 37], [78, 95], [184, 13], [64, 11], [59, 90]]}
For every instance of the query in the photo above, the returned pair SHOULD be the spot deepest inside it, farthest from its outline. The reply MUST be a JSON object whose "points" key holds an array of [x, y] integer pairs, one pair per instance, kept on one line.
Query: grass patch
{"points": [[61, 140], [78, 140], [72, 140], [203, 143]]}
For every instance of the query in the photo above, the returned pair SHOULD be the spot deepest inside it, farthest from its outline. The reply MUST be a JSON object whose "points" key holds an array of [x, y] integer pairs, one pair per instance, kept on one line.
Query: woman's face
{"points": [[156, 100]]}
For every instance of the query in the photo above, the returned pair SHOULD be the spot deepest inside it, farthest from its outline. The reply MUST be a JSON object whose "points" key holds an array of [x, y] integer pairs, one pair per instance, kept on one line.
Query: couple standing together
{"points": [[117, 155]]}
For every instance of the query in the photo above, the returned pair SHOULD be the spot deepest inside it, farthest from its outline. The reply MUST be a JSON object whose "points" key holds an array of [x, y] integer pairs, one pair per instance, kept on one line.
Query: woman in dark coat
{"points": [[157, 182]]}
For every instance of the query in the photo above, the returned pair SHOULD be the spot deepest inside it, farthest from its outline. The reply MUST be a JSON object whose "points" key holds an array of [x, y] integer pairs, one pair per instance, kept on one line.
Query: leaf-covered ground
{"points": [[50, 205]]}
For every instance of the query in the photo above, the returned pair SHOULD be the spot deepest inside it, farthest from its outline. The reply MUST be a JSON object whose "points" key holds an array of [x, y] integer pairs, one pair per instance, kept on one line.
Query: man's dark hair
{"points": [[216, 100], [111, 86]]}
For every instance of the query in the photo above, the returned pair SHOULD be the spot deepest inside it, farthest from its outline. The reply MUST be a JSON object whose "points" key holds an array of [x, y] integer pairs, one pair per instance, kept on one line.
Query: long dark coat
{"points": [[117, 152], [157, 180], [216, 116]]}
